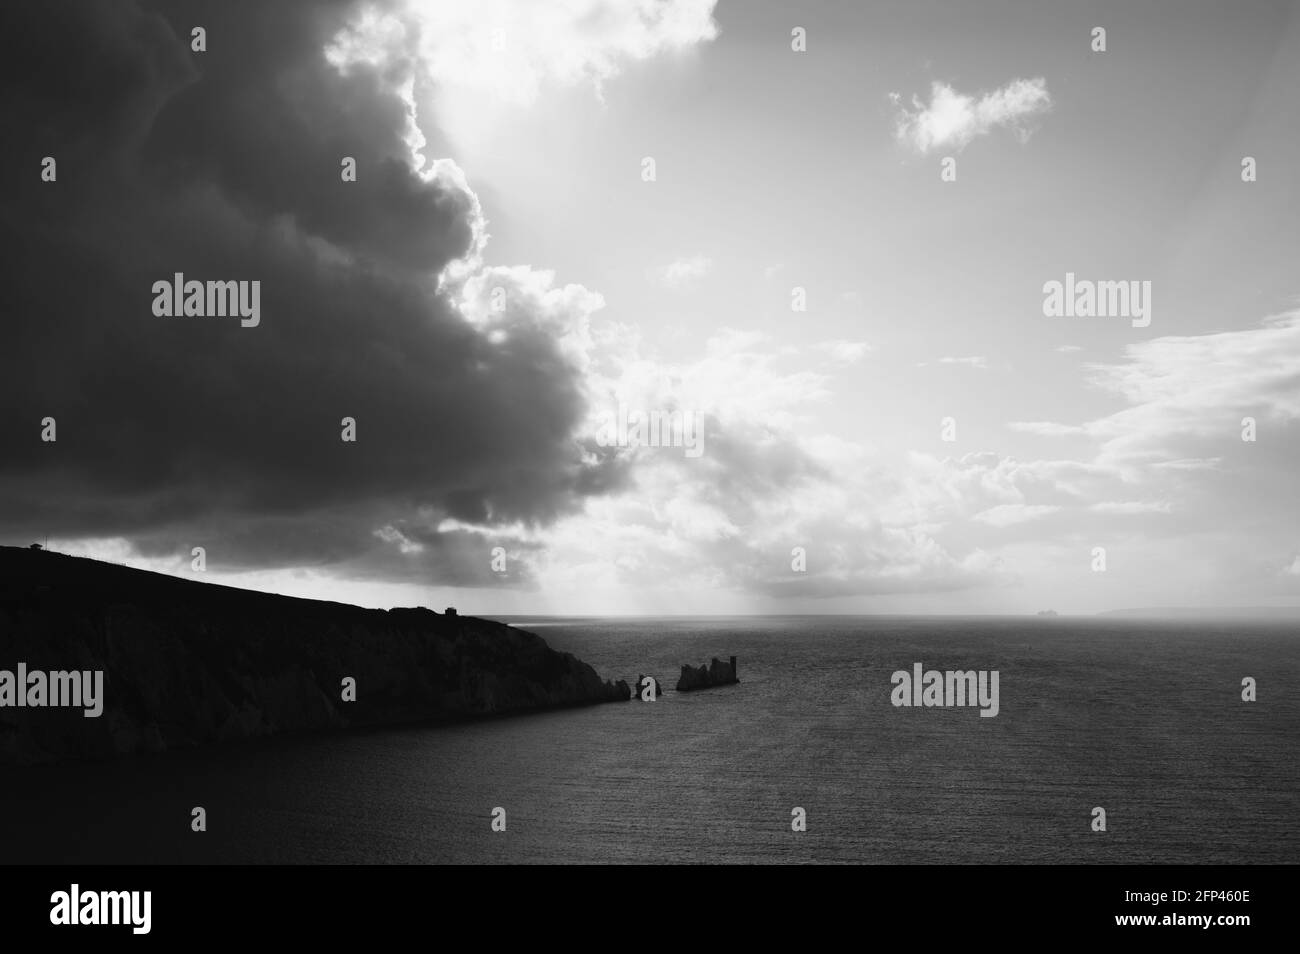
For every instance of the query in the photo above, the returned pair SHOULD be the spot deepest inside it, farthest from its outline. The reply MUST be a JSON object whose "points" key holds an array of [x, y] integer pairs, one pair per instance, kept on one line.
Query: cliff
{"points": [[716, 674], [187, 663]]}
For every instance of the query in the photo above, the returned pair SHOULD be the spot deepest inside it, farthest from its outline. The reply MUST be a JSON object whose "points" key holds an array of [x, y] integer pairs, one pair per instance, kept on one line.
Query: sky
{"points": [[817, 236]]}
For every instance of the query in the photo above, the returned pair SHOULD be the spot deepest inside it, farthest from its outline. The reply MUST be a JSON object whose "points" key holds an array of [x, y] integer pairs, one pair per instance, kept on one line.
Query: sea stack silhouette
{"points": [[640, 686], [186, 663], [717, 673]]}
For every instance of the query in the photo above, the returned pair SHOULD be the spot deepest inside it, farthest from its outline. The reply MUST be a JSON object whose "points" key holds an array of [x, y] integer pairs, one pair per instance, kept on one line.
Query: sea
{"points": [[1143, 719]]}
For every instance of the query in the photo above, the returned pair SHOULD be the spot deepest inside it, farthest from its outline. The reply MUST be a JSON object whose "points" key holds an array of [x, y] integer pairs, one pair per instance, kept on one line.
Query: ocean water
{"points": [[1144, 719]]}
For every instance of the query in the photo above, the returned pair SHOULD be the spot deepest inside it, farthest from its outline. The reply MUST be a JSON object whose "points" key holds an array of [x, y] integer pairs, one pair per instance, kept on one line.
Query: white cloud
{"points": [[511, 49], [973, 361], [1191, 392], [877, 523], [952, 119], [683, 271], [390, 534], [952, 489], [844, 352], [1005, 515], [1068, 349], [769, 480]]}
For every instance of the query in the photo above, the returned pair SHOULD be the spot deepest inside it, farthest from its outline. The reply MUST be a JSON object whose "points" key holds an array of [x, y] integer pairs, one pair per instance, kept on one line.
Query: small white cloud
{"points": [[684, 271], [1005, 515], [1068, 349], [844, 352], [1294, 568], [952, 119], [390, 534], [973, 361]]}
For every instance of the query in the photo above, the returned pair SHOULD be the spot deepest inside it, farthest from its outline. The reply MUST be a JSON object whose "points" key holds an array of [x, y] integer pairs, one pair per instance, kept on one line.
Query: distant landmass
{"points": [[186, 662], [1283, 613]]}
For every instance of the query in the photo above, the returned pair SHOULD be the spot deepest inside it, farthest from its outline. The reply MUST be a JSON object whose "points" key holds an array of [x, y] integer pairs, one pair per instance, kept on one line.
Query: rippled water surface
{"points": [[1144, 719]]}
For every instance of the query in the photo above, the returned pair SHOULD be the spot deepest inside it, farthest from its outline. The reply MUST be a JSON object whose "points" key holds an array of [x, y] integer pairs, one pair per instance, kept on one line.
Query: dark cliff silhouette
{"points": [[187, 663]]}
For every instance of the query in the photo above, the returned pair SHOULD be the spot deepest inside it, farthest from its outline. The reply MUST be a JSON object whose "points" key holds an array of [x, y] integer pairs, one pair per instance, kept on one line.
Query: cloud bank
{"points": [[226, 164]]}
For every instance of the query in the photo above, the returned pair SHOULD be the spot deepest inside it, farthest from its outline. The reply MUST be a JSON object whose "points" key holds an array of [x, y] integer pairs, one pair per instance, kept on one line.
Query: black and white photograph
{"points": [[650, 433]]}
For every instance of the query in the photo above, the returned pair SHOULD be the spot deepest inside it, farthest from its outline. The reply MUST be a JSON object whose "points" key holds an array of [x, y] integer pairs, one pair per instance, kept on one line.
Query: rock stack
{"points": [[639, 687], [717, 673]]}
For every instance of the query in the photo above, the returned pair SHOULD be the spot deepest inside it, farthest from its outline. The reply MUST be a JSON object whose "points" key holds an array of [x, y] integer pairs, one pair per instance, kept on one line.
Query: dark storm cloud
{"points": [[177, 432]]}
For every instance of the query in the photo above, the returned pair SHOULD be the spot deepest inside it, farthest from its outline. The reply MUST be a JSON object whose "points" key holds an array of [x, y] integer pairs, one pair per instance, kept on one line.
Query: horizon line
{"points": [[1150, 612]]}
